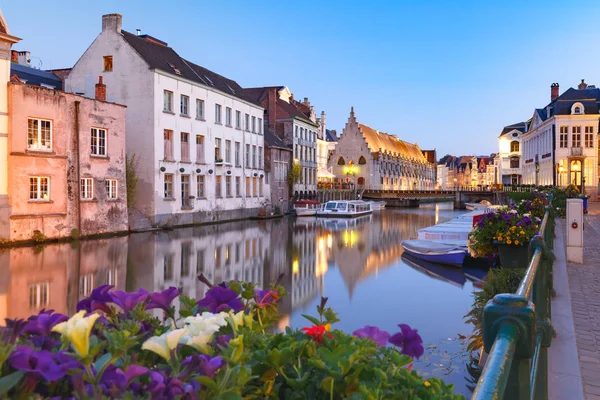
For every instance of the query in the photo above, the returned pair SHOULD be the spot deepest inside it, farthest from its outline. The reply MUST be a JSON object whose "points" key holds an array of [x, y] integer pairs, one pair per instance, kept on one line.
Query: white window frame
{"points": [[112, 189], [168, 101], [38, 301], [238, 119], [200, 109], [218, 111], [87, 188], [97, 149], [227, 151], [39, 193], [38, 135], [200, 186], [260, 126], [184, 106], [227, 116], [238, 186], [168, 190]]}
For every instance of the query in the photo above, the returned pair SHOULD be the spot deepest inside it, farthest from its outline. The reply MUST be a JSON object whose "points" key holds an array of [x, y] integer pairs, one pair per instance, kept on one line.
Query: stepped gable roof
{"points": [[164, 58], [520, 126], [390, 143]]}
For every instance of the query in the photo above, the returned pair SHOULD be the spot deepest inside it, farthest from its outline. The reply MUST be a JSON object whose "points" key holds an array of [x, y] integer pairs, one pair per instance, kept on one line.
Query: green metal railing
{"points": [[517, 330]]}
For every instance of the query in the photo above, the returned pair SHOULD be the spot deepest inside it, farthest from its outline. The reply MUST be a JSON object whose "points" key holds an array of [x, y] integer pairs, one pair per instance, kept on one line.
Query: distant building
{"points": [[445, 172], [485, 172], [278, 158], [296, 124], [370, 159], [560, 145], [326, 142], [197, 137], [21, 70], [509, 153], [465, 172]]}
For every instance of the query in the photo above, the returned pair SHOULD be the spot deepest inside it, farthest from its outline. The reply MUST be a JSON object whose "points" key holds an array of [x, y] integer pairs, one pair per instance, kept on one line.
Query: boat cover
{"points": [[430, 247]]}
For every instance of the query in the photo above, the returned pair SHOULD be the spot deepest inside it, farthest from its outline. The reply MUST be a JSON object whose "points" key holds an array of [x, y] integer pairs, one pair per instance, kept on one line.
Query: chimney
{"points": [[272, 107], [100, 90], [553, 91], [112, 22], [24, 58], [582, 85], [138, 32], [306, 102], [14, 56]]}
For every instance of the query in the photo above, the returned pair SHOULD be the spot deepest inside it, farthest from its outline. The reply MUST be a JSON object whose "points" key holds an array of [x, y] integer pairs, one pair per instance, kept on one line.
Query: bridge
{"points": [[412, 198]]}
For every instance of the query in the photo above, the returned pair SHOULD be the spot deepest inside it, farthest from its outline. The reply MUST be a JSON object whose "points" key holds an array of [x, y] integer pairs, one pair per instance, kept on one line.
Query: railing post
{"points": [[517, 311]]}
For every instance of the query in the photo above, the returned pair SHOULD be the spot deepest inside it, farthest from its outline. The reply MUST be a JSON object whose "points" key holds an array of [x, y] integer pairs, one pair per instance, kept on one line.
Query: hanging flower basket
{"points": [[512, 256]]}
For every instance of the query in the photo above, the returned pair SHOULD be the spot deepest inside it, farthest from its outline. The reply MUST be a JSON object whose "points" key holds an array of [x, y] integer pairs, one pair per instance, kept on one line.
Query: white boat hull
{"points": [[341, 214], [300, 212]]}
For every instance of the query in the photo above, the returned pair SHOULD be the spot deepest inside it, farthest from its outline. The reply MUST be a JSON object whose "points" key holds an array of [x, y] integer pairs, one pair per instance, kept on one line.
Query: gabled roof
{"points": [[390, 143], [293, 108], [519, 126], [164, 58], [588, 97], [273, 140], [37, 77], [329, 136], [62, 73]]}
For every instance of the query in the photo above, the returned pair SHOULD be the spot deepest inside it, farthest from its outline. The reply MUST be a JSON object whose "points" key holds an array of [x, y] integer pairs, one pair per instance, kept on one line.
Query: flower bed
{"points": [[220, 347]]}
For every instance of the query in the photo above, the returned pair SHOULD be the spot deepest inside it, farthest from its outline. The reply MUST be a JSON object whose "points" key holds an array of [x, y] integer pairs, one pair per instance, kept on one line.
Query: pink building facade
{"points": [[66, 164]]}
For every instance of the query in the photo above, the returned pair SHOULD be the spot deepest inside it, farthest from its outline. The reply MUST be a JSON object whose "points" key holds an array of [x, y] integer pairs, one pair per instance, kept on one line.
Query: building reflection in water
{"points": [[300, 251]]}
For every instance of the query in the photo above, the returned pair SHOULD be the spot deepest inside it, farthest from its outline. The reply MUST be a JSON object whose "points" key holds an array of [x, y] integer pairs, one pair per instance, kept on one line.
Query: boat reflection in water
{"points": [[452, 275]]}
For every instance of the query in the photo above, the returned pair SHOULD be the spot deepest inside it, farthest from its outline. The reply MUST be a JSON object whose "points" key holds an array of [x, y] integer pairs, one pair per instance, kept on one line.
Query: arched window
{"points": [[577, 108], [514, 162], [341, 161], [514, 146], [361, 181], [362, 160]]}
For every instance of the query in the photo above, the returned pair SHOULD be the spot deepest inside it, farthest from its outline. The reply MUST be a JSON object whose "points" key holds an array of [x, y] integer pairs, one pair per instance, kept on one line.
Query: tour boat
{"points": [[377, 205], [453, 276], [482, 205], [344, 209], [436, 252], [306, 208]]}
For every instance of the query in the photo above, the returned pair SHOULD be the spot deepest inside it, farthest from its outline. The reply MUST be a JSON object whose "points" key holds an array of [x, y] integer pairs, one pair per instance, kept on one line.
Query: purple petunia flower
{"points": [[42, 363], [220, 299], [114, 381], [222, 340], [374, 333], [164, 388], [97, 300], [205, 365], [128, 301], [162, 299], [43, 323], [409, 340]]}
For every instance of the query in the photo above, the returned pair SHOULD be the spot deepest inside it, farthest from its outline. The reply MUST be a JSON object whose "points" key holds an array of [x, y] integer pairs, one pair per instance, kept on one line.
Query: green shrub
{"points": [[38, 236]]}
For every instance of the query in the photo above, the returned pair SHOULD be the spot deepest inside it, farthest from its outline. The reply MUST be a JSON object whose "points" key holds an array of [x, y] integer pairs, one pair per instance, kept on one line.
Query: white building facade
{"points": [[509, 153], [197, 139], [561, 145]]}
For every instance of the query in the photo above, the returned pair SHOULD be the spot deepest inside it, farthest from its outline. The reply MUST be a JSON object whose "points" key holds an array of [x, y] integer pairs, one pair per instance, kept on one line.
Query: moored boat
{"points": [[344, 209], [482, 205], [436, 252], [306, 208], [377, 205]]}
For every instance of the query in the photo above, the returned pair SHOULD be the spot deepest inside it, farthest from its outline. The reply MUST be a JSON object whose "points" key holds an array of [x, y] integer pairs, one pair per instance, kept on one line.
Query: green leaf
{"points": [[274, 357], [287, 355], [326, 384], [100, 363], [9, 381], [207, 382], [312, 319], [238, 348], [230, 396]]}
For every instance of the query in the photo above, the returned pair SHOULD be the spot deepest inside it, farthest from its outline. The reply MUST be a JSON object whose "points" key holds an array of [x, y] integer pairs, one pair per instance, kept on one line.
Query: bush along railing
{"points": [[517, 330]]}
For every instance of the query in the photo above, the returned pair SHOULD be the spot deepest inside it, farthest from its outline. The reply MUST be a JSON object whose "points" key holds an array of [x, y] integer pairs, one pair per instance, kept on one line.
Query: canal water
{"points": [[356, 263]]}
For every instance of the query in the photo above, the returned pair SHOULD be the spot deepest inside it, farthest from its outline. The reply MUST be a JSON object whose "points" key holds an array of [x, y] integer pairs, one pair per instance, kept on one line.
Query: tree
{"points": [[294, 175]]}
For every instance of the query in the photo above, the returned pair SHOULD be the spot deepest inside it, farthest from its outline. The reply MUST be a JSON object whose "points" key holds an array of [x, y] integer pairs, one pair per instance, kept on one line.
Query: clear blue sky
{"points": [[448, 75]]}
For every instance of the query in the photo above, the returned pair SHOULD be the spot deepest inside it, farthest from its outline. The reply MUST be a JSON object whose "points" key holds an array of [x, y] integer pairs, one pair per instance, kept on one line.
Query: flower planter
{"points": [[513, 256]]}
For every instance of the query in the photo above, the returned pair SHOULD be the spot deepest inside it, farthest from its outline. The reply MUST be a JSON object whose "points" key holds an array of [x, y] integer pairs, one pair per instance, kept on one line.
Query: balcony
{"points": [[576, 152]]}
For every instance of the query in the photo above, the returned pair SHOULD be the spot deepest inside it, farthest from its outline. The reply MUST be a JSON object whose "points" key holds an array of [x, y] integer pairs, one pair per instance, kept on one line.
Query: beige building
{"points": [[366, 158]]}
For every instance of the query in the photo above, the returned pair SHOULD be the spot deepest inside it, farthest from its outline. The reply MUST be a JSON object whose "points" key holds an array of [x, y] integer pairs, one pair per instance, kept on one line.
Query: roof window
{"points": [[177, 71]]}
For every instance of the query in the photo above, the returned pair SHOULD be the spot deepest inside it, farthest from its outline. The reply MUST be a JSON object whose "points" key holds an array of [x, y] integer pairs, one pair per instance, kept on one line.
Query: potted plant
{"points": [[507, 232]]}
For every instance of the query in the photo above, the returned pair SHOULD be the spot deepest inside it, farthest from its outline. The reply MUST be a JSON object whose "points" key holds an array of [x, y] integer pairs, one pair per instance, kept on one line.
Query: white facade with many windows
{"points": [[198, 141], [561, 145]]}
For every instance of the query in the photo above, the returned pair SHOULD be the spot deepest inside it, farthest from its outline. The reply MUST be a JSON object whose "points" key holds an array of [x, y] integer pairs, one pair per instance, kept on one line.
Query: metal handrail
{"points": [[517, 332]]}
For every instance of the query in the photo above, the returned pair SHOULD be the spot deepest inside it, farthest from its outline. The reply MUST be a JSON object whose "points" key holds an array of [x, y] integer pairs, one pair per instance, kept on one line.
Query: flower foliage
{"points": [[124, 345], [504, 225]]}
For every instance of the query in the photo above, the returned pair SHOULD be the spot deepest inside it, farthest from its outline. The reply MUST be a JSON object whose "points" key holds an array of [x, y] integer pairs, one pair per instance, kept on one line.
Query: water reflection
{"points": [[356, 263]]}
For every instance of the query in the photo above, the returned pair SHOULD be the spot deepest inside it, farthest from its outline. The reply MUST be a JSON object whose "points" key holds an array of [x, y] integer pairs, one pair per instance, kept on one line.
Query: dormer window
{"points": [[577, 108]]}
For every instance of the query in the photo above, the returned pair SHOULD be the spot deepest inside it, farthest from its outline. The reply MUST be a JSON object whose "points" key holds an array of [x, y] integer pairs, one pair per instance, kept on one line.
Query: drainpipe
{"points": [[554, 175], [77, 167]]}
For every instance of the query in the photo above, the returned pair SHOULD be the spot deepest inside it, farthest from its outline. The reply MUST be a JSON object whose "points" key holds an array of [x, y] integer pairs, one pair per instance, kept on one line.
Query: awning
{"points": [[323, 173]]}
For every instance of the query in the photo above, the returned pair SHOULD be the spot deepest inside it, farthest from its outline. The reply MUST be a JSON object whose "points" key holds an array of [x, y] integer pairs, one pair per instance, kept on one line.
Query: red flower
{"points": [[317, 332]]}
